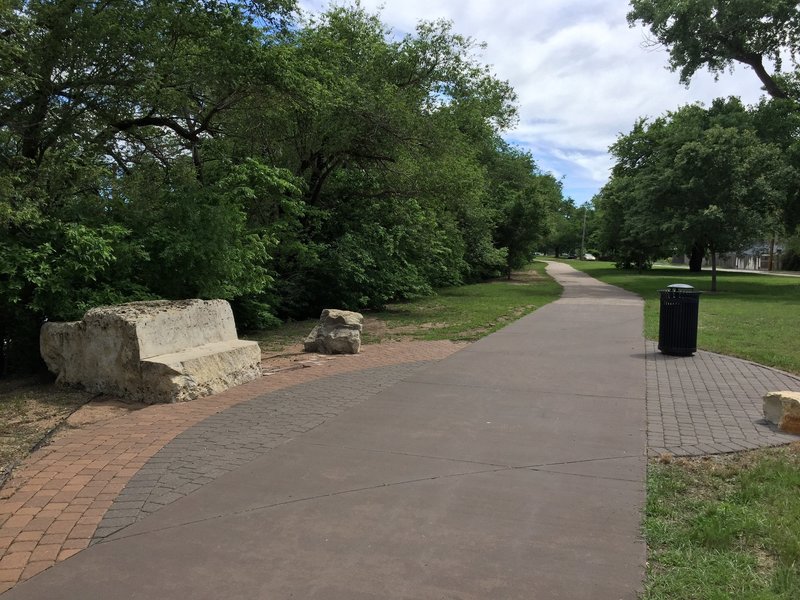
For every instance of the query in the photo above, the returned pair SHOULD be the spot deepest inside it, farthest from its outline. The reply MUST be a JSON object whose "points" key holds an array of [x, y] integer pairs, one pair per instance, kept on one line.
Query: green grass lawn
{"points": [[756, 317], [469, 312], [725, 527], [462, 313]]}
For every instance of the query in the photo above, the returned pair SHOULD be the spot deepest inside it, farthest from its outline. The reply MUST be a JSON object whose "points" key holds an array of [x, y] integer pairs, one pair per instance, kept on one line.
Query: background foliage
{"points": [[210, 148], [706, 180]]}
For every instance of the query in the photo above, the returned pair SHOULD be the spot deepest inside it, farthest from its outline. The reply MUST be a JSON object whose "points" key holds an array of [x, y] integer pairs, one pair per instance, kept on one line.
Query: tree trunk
{"points": [[771, 86], [771, 266], [2, 352], [696, 258], [713, 270]]}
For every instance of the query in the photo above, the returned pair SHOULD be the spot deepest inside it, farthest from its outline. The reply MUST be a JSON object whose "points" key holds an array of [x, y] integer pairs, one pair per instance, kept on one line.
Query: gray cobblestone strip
{"points": [[710, 404], [238, 435]]}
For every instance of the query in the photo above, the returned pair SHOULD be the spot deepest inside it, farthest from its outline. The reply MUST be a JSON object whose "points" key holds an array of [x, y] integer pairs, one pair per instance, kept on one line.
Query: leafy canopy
{"points": [[715, 34]]}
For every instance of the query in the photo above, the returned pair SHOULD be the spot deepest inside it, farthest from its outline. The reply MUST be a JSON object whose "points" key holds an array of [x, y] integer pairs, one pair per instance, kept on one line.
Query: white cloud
{"points": [[581, 74]]}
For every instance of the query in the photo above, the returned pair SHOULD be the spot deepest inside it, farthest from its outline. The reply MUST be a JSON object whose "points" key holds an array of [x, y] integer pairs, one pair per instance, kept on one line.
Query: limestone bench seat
{"points": [[152, 352]]}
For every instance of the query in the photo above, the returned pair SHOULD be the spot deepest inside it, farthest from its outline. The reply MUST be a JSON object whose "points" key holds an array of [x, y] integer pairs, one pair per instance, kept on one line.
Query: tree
{"points": [[778, 122], [524, 196], [627, 230], [393, 140], [564, 227], [215, 148], [91, 93], [761, 34], [716, 33], [698, 177]]}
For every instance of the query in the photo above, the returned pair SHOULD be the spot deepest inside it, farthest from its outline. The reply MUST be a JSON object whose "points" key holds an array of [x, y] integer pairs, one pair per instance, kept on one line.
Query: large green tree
{"points": [[524, 197], [695, 178], [761, 34], [715, 34], [95, 96], [565, 225], [216, 148], [394, 140]]}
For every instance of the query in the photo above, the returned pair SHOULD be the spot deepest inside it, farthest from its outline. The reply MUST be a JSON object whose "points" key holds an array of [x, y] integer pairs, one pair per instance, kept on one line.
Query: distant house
{"points": [[754, 258]]}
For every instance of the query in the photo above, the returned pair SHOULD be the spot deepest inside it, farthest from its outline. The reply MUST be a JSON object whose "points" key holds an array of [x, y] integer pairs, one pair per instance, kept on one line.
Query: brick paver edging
{"points": [[51, 506]]}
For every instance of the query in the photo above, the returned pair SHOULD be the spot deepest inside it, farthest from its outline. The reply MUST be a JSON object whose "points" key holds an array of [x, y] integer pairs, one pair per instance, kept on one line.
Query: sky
{"points": [[582, 75]]}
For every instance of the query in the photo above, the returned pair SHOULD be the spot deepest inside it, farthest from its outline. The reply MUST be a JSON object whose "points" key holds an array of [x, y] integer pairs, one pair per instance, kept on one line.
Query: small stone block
{"points": [[338, 332], [783, 410]]}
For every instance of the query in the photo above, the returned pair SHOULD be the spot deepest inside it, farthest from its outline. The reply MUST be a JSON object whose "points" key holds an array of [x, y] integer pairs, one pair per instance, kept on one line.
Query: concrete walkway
{"points": [[512, 469]]}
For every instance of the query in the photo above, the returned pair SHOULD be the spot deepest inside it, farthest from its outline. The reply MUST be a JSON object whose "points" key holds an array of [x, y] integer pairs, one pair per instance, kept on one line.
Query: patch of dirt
{"points": [[30, 410], [375, 327], [408, 329], [519, 278], [376, 330], [738, 460]]}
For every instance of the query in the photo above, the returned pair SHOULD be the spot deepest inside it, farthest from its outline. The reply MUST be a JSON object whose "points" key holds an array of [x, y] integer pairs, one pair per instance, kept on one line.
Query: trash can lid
{"points": [[680, 286]]}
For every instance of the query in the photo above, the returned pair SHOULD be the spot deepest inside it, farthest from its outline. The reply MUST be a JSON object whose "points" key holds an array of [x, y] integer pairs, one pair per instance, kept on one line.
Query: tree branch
{"points": [[128, 124], [755, 62]]}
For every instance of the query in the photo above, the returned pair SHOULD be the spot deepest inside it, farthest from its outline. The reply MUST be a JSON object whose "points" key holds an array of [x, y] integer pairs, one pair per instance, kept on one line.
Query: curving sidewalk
{"points": [[52, 505], [513, 468]]}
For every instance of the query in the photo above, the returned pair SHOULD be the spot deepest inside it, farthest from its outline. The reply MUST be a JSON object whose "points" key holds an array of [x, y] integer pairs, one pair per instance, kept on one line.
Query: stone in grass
{"points": [[783, 410], [338, 332]]}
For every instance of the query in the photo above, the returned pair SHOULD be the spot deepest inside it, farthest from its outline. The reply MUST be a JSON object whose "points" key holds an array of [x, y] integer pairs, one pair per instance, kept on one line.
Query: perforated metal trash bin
{"points": [[677, 322]]}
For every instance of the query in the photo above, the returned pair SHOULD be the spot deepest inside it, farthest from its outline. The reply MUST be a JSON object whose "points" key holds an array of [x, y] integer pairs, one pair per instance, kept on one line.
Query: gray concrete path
{"points": [[513, 469]]}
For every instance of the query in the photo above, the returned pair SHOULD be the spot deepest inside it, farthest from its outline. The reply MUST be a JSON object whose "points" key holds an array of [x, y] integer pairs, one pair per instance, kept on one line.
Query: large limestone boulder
{"points": [[158, 351], [338, 332], [783, 409]]}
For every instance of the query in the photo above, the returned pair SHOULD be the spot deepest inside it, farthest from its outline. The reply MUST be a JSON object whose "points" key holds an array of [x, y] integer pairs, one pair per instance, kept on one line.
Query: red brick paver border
{"points": [[51, 506]]}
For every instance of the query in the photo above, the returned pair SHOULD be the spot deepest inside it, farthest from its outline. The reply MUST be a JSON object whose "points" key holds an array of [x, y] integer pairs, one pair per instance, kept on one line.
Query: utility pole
{"points": [[583, 236], [771, 266]]}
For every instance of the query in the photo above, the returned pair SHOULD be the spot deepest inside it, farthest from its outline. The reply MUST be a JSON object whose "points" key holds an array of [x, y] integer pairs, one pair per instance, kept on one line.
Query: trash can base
{"points": [[677, 351]]}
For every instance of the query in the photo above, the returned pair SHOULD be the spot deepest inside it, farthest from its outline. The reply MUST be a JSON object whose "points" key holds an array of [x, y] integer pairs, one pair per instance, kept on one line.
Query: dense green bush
{"points": [[199, 148]]}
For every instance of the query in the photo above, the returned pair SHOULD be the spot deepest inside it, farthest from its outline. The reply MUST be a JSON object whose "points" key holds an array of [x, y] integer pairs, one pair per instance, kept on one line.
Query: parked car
{"points": [[588, 256], [572, 255]]}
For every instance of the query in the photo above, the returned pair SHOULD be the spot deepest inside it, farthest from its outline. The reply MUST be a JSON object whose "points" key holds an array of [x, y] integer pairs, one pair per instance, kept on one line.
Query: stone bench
{"points": [[159, 351]]}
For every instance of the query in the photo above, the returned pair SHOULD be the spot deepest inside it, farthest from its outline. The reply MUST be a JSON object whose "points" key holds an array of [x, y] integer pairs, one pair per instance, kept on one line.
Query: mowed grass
{"points": [[725, 527], [756, 317], [469, 312], [464, 313]]}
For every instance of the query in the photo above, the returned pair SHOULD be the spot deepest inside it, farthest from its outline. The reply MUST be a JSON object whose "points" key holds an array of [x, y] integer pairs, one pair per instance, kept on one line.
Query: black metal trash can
{"points": [[677, 321]]}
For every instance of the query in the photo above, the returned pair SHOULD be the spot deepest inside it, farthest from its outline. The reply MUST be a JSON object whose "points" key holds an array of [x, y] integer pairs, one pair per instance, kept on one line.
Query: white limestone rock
{"points": [[158, 351], [338, 332], [783, 410]]}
